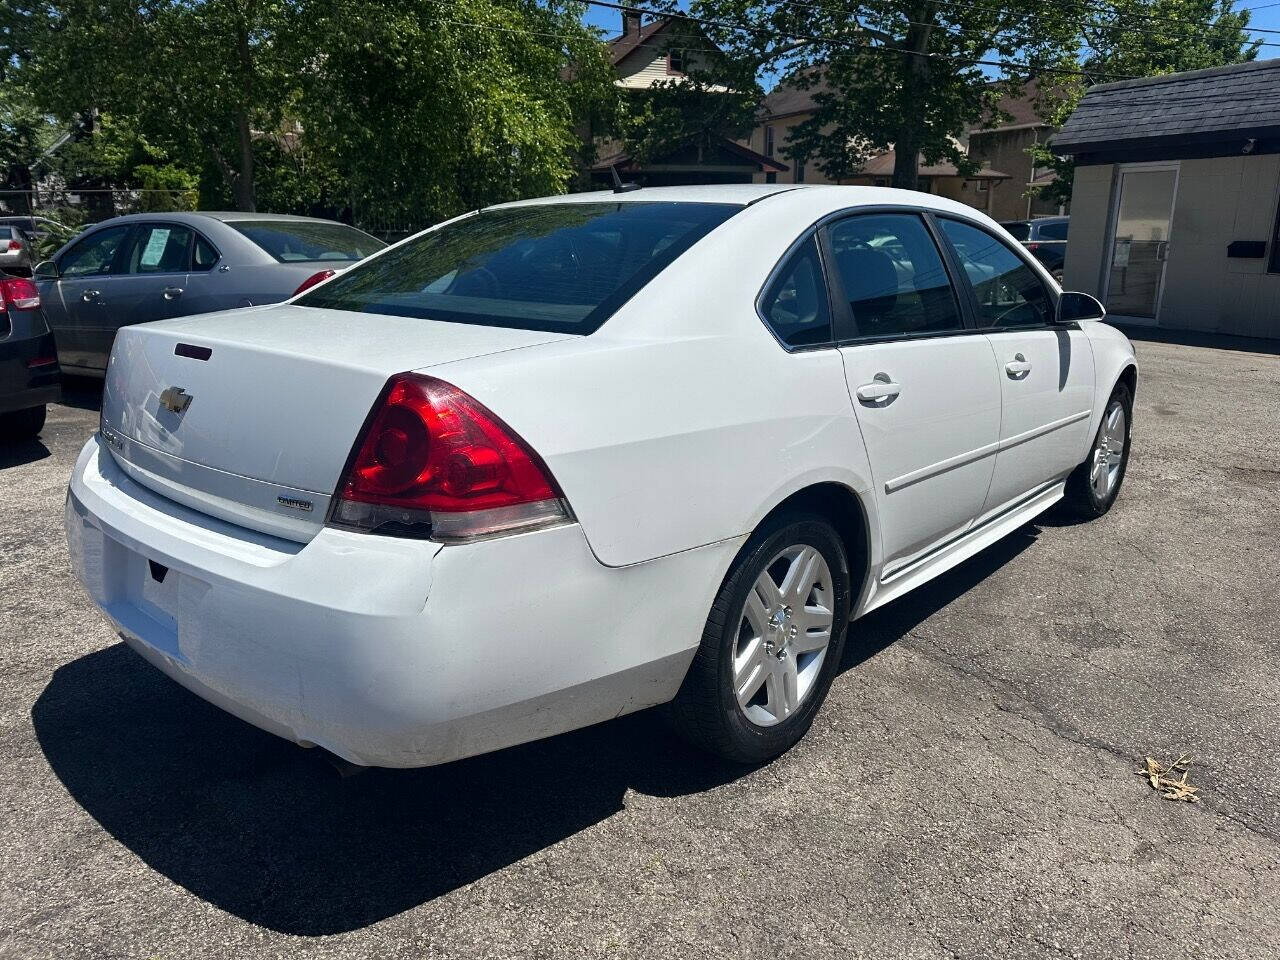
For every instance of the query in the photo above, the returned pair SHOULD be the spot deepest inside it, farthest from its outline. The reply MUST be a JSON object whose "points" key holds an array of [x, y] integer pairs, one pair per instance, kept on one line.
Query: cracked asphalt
{"points": [[969, 790]]}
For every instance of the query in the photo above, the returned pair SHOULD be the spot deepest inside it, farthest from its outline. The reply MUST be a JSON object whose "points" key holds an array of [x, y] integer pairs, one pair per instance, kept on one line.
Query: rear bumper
{"points": [[22, 386], [388, 652]]}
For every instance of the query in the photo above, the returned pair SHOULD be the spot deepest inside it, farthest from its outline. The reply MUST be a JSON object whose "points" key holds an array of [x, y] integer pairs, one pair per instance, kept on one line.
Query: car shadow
{"points": [[22, 452], [269, 832], [83, 393]]}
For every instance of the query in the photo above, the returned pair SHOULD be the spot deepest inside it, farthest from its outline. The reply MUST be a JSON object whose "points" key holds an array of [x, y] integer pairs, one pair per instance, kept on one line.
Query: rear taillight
{"points": [[15, 245], [19, 292], [433, 461], [312, 280]]}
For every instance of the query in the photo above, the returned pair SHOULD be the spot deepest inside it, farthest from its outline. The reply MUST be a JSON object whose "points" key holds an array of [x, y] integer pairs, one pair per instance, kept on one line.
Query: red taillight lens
{"points": [[312, 280], [19, 292], [15, 245], [433, 459]]}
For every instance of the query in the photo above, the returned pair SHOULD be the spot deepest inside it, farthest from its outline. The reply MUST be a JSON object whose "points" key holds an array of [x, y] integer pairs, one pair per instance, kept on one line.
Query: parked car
{"points": [[564, 459], [15, 251], [46, 235], [29, 374], [1046, 238], [146, 267]]}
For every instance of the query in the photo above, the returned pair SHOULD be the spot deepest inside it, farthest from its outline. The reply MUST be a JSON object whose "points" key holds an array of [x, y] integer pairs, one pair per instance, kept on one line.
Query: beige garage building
{"points": [[1174, 215]]}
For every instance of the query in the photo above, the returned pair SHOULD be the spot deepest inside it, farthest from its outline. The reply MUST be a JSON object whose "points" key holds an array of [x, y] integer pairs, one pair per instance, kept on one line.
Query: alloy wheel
{"points": [[784, 630], [1108, 452]]}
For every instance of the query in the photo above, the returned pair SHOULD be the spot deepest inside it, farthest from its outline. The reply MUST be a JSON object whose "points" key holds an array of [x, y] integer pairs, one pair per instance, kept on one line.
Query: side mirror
{"points": [[1073, 307], [45, 270]]}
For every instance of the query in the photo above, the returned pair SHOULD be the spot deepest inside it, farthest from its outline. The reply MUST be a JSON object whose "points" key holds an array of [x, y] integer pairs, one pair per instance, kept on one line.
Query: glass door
{"points": [[1140, 240]]}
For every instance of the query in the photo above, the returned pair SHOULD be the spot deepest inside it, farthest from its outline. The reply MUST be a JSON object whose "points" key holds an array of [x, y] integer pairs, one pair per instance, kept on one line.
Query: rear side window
{"points": [[559, 267], [159, 248], [1054, 231], [1019, 231], [795, 305], [1009, 292], [205, 255], [893, 276], [300, 241]]}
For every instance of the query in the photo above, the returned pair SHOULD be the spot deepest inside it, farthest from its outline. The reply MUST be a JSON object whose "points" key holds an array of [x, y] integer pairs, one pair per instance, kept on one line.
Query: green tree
{"points": [[900, 73], [1142, 38]]}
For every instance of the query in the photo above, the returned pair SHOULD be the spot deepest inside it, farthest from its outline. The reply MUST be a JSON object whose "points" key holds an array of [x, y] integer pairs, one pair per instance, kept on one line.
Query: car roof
{"points": [[194, 217], [832, 197]]}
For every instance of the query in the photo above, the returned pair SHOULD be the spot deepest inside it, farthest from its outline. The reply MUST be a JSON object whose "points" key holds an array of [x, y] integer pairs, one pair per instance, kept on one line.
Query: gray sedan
{"points": [[155, 266]]}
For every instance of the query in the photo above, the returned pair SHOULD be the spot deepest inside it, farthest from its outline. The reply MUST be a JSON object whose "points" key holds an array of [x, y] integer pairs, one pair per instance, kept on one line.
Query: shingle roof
{"points": [[1205, 105], [882, 164], [619, 47], [786, 99]]}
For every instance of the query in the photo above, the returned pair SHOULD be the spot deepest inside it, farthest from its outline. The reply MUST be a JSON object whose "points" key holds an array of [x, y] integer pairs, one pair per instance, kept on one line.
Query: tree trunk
{"points": [[915, 87], [245, 199]]}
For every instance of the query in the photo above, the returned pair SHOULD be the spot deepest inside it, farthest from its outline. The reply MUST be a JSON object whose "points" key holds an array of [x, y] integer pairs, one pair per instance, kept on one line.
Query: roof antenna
{"points": [[618, 185]]}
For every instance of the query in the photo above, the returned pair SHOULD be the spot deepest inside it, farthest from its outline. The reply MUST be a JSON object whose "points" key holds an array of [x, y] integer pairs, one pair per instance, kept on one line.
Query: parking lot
{"points": [[970, 788]]}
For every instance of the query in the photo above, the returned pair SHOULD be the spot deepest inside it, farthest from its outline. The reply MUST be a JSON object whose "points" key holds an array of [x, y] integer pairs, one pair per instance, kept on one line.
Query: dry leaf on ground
{"points": [[1171, 780]]}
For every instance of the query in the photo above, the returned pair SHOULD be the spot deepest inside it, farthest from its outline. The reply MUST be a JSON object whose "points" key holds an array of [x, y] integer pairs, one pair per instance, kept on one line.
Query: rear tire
{"points": [[764, 666], [1093, 486], [22, 424]]}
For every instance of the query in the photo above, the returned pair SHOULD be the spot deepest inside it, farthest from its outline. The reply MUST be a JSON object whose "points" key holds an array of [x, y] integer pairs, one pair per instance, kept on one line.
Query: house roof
{"points": [[1021, 108], [1217, 104], [619, 47], [881, 165], [749, 157], [786, 99]]}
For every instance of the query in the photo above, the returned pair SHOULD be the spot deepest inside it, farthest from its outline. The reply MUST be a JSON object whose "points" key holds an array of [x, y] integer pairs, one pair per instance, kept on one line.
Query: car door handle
{"points": [[880, 390], [90, 295], [172, 293], [1018, 367]]}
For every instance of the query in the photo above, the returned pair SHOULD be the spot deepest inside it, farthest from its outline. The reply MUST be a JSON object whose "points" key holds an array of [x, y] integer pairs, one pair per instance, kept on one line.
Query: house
{"points": [[1006, 145], [1174, 218], [788, 105], [663, 50]]}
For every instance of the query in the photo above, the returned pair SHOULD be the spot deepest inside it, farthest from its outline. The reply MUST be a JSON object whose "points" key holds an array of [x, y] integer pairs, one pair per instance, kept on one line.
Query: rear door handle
{"points": [[172, 293], [1018, 367], [90, 295], [881, 389]]}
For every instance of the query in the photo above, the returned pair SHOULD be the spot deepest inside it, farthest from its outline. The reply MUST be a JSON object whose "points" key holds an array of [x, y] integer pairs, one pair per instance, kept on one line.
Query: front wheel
{"points": [[1093, 486], [22, 424], [771, 645]]}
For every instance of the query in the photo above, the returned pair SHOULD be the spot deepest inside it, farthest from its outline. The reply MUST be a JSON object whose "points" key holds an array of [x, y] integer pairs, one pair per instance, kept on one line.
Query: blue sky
{"points": [[1267, 16]]}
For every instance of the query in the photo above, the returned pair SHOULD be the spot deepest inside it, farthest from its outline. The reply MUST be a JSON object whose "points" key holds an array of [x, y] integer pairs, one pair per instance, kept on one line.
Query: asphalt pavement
{"points": [[970, 788]]}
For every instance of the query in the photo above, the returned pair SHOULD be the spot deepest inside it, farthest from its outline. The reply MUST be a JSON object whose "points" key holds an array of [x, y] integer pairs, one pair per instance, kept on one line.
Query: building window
{"points": [[768, 141], [799, 171], [1273, 264], [770, 178], [675, 61]]}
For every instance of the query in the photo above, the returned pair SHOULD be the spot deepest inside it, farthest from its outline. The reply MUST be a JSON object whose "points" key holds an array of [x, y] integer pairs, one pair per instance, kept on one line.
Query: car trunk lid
{"points": [[250, 415]]}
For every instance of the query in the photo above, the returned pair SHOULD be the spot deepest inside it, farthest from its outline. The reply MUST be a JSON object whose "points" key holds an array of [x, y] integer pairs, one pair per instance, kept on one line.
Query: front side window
{"points": [[562, 267], [159, 248], [795, 305], [93, 255], [1009, 292], [303, 241], [893, 276]]}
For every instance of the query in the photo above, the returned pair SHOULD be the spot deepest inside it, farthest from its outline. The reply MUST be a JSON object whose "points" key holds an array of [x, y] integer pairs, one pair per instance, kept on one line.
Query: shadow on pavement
{"points": [[268, 832], [83, 393], [1188, 338], [22, 452]]}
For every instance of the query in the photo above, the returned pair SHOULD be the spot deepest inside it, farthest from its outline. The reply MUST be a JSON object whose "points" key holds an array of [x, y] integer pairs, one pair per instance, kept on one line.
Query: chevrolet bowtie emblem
{"points": [[175, 399]]}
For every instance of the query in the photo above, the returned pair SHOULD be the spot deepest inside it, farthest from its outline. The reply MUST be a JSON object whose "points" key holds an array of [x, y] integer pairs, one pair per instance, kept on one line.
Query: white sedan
{"points": [[563, 459]]}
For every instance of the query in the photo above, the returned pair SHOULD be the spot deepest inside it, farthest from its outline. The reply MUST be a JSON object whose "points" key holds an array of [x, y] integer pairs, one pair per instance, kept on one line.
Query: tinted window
{"points": [[94, 254], [563, 267], [1018, 230], [205, 255], [291, 241], [892, 273], [1009, 292], [158, 248], [1053, 231], [8, 233], [795, 305]]}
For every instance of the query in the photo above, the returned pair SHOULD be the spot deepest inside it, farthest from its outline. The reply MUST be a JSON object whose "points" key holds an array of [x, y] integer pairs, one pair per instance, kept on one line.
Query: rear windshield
{"points": [[1019, 231], [7, 233], [301, 242], [559, 267]]}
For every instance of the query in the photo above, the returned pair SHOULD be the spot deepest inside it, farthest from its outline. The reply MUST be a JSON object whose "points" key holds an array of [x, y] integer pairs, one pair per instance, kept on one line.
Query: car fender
{"points": [[1113, 353]]}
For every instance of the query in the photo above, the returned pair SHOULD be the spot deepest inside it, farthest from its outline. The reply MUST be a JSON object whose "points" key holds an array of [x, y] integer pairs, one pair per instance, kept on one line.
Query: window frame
{"points": [[847, 324], [1273, 252], [970, 296]]}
